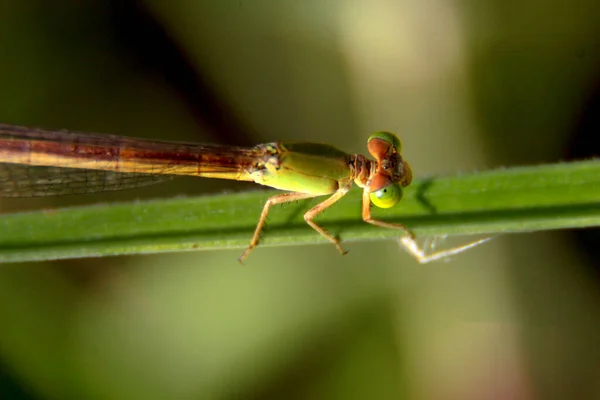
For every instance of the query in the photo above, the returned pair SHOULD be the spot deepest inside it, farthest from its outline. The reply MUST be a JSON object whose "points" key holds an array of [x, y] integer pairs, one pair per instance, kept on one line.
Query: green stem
{"points": [[554, 196]]}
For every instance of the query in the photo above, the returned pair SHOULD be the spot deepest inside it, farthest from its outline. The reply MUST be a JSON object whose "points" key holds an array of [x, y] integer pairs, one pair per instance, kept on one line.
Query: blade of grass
{"points": [[555, 196]]}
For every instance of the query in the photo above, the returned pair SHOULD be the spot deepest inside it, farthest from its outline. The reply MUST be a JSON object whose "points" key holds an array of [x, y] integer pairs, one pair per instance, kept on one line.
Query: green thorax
{"points": [[306, 167]]}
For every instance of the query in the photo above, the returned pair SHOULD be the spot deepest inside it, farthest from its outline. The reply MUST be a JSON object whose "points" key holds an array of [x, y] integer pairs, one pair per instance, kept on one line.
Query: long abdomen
{"points": [[36, 147]]}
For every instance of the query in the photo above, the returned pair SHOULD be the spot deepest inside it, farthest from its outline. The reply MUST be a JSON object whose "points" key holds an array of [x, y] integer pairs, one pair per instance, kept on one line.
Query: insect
{"points": [[37, 162]]}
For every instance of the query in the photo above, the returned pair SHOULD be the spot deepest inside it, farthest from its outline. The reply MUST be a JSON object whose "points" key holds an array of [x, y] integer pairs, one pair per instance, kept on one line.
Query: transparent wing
{"points": [[17, 180]]}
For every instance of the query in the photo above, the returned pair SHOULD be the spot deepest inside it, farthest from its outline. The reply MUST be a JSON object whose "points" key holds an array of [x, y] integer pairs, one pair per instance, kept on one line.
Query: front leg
{"points": [[366, 216], [409, 243]]}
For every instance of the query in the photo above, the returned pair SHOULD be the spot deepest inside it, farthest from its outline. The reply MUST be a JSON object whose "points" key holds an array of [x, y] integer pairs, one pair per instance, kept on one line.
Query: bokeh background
{"points": [[468, 85]]}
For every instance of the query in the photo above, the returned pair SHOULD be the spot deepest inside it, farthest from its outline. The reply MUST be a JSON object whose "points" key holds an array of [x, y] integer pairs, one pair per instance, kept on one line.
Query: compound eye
{"points": [[379, 144], [388, 137], [386, 196]]}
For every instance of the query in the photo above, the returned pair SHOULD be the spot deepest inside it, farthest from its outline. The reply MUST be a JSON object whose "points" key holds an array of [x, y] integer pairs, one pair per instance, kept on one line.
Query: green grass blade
{"points": [[556, 196]]}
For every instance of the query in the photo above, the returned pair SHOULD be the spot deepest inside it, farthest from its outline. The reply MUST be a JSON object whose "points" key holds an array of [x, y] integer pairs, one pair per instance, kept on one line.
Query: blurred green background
{"points": [[468, 86]]}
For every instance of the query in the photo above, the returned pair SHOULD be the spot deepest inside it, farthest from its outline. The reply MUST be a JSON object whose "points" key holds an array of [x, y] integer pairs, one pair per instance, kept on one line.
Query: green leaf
{"points": [[555, 196]]}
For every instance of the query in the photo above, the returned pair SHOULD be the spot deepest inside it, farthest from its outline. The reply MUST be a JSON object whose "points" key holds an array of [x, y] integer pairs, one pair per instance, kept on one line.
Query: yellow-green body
{"points": [[304, 167], [87, 163]]}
